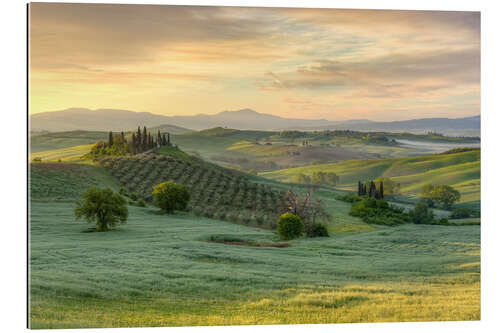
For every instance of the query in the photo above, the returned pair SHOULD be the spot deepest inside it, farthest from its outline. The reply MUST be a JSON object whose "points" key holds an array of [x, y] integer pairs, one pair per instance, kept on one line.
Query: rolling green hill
{"points": [[165, 270], [68, 154], [58, 140], [461, 170], [65, 182], [215, 191]]}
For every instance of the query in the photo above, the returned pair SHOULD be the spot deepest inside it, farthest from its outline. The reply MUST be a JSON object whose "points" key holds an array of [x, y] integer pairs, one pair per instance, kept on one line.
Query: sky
{"points": [[290, 62]]}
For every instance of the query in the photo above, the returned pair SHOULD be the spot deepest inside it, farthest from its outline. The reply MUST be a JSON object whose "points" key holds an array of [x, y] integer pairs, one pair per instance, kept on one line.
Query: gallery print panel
{"points": [[203, 165]]}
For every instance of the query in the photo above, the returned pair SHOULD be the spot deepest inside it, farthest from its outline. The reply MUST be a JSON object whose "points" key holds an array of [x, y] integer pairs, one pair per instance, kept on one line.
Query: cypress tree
{"points": [[372, 190], [134, 143], [110, 139], [168, 139], [381, 189], [123, 136], [359, 188], [144, 139]]}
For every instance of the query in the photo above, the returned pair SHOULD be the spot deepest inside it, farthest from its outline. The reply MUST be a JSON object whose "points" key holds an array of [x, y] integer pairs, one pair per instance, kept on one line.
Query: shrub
{"points": [[220, 215], [260, 219], [102, 207], [461, 213], [198, 210], [378, 211], [421, 214], [443, 220], [133, 196], [170, 196], [289, 226], [123, 191], [245, 219], [319, 230], [232, 216], [348, 198], [208, 212], [141, 203]]}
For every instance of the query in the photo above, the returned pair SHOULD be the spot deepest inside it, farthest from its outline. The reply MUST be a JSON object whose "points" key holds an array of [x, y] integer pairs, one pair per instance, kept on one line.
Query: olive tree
{"points": [[103, 207], [170, 196]]}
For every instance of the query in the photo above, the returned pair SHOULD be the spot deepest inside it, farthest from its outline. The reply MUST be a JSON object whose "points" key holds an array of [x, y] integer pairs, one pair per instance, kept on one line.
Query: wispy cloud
{"points": [[338, 63]]}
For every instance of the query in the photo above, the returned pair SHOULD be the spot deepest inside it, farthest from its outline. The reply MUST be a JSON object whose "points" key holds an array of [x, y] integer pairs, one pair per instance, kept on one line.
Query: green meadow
{"points": [[167, 270], [162, 270]]}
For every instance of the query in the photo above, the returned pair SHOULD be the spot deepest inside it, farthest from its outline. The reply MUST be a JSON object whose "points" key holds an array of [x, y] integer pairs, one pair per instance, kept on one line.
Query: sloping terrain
{"points": [[215, 191], [65, 182], [58, 140], [461, 170]]}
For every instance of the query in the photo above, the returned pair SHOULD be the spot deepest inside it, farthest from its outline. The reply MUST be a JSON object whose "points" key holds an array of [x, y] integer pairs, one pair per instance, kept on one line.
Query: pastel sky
{"points": [[301, 63]]}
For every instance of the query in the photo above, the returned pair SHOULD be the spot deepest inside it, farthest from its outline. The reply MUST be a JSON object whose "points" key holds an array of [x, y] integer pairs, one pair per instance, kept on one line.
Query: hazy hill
{"points": [[243, 119], [118, 120], [469, 126], [95, 120]]}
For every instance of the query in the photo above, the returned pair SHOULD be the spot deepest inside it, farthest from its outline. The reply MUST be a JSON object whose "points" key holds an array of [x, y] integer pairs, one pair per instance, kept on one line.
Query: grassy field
{"points": [[58, 140], [162, 270], [70, 154]]}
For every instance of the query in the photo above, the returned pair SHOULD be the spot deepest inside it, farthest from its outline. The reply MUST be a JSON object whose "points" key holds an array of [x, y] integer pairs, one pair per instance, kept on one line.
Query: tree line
{"points": [[141, 141]]}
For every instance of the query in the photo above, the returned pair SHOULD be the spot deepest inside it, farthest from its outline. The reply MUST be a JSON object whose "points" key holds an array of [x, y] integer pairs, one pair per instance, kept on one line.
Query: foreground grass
{"points": [[401, 302], [160, 271]]}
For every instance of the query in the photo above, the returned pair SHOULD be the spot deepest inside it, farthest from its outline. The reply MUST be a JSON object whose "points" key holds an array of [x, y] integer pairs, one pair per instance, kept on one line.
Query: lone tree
{"points": [[170, 196], [311, 212], [440, 194], [102, 207]]}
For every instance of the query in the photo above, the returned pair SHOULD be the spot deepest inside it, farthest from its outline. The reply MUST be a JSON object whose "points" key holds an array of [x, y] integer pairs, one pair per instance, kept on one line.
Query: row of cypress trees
{"points": [[142, 140], [372, 191]]}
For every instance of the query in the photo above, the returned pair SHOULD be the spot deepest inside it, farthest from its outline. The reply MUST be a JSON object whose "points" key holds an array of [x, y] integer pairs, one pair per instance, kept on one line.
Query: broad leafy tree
{"points": [[170, 196], [440, 194], [103, 207]]}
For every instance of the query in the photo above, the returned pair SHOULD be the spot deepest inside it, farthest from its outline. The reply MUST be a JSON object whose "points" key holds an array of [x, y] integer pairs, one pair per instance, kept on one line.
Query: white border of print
{"points": [[13, 166]]}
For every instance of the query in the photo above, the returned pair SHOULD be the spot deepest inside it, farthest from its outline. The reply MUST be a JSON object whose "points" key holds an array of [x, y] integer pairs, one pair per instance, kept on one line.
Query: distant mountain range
{"points": [[123, 120]]}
